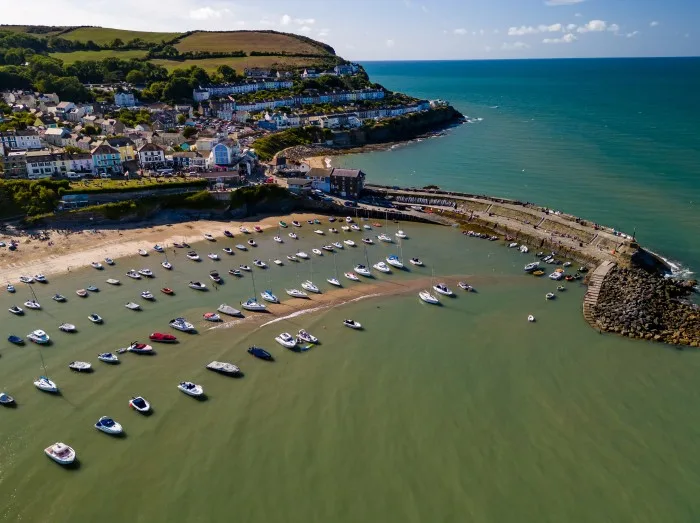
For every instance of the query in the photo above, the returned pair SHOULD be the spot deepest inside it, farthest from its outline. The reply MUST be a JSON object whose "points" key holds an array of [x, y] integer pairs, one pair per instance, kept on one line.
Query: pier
{"points": [[595, 283]]}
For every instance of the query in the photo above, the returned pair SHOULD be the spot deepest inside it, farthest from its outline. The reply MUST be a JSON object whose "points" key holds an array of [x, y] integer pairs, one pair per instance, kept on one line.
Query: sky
{"points": [[409, 29]]}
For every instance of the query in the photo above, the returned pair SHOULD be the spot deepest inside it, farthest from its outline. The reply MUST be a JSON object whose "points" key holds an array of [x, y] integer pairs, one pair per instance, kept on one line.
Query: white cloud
{"points": [[614, 28], [424, 9], [390, 43], [514, 46], [481, 32], [593, 26], [460, 31], [496, 31], [654, 24], [632, 34], [487, 48], [208, 13], [578, 15], [571, 27], [522, 30], [324, 32], [562, 2], [304, 21], [566, 39], [554, 28], [286, 20], [305, 29]]}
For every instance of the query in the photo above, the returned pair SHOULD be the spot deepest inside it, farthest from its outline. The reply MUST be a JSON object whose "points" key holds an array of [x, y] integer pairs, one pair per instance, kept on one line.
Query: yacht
{"points": [[556, 276], [108, 357], [140, 348], [60, 453], [59, 298], [296, 293], [338, 245], [241, 247], [228, 310], [443, 289], [133, 274], [45, 384], [260, 263], [334, 281], [182, 324], [352, 276], [362, 270], [109, 261], [32, 304], [278, 239], [223, 367], [113, 281], [133, 306], [368, 241], [167, 265], [305, 336], [382, 267], [147, 295], [394, 261], [327, 248], [228, 250], [293, 258], [352, 324], [235, 272], [39, 337], [349, 243], [268, 296], [286, 340], [416, 261], [293, 236], [245, 268], [549, 296], [355, 227], [309, 286], [385, 238], [530, 267], [197, 285], [303, 255], [108, 425], [191, 389], [428, 298], [67, 327], [252, 305], [80, 366]]}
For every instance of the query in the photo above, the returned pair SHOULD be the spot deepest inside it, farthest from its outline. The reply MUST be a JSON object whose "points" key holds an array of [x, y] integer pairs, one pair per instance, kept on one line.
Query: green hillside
{"points": [[105, 36]]}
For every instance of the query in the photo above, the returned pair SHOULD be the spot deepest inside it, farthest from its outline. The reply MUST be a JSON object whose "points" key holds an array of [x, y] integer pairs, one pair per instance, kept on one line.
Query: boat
{"points": [[260, 263], [355, 227], [317, 221], [158, 248], [82, 293], [245, 268], [283, 224], [228, 310], [531, 267], [10, 288], [583, 269], [147, 295], [556, 276], [428, 298], [296, 223], [566, 264], [538, 273], [465, 286], [209, 237], [328, 248], [168, 291], [286, 340], [16, 310], [241, 247], [92, 288], [252, 305], [278, 239], [348, 219], [309, 286], [305, 336], [352, 276], [108, 425], [569, 277], [332, 219], [512, 245], [345, 228], [60, 453], [338, 245], [319, 232], [224, 368], [67, 327], [197, 285], [303, 255], [109, 261], [113, 281], [549, 296], [228, 250], [362, 270], [133, 274], [296, 293], [97, 265], [333, 230], [213, 256], [268, 296], [108, 357], [59, 298], [334, 281], [416, 261], [235, 272], [443, 289], [376, 224], [293, 236], [32, 304], [317, 252], [6, 399], [214, 276], [531, 318], [368, 241], [252, 243], [385, 238], [133, 306], [524, 249], [561, 288], [394, 261], [182, 324], [148, 273], [162, 337], [352, 324], [39, 337], [191, 389], [382, 267], [167, 265], [45, 384], [211, 316], [260, 353], [349, 243], [293, 258], [228, 234], [142, 252], [140, 348], [139, 404], [244, 230], [15, 339], [193, 256], [26, 279], [80, 366], [278, 262]]}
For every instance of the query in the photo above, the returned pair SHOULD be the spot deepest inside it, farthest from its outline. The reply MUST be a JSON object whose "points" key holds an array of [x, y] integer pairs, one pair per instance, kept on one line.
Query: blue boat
{"points": [[261, 353], [92, 288], [15, 339]]}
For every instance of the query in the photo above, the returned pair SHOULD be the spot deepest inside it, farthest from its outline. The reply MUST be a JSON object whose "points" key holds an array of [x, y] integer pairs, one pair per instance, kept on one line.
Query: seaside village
{"points": [[211, 137]]}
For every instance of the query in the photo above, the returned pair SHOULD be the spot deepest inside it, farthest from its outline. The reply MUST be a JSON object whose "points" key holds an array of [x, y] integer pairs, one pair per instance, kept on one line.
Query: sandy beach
{"points": [[68, 250]]}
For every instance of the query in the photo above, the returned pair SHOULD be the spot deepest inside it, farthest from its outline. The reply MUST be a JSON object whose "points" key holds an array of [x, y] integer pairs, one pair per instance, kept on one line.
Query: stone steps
{"points": [[595, 283]]}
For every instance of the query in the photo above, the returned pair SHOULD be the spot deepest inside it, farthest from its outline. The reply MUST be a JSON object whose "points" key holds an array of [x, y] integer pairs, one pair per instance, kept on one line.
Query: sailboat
{"points": [[309, 285], [363, 270], [394, 260], [166, 264], [43, 382], [335, 281], [252, 303], [33, 303]]}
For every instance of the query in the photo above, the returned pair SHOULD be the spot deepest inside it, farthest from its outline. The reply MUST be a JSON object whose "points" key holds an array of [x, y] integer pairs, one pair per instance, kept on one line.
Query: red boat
{"points": [[140, 348], [258, 229], [168, 291], [162, 338]]}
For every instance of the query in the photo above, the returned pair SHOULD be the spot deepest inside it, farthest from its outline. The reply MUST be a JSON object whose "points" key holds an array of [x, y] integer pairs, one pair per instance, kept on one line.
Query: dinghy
{"points": [[45, 384], [213, 256], [417, 262], [60, 453], [161, 337], [352, 324], [228, 310], [16, 310], [211, 316], [352, 276], [15, 339], [382, 267], [139, 404], [296, 293], [33, 304], [113, 281], [82, 293], [133, 274], [148, 273], [191, 389], [305, 336], [108, 425], [282, 224], [168, 291], [224, 368], [428, 298], [147, 295], [133, 306], [108, 357], [6, 399], [260, 353], [140, 348], [59, 298], [286, 340], [80, 366], [197, 285], [67, 327], [97, 265], [39, 337]]}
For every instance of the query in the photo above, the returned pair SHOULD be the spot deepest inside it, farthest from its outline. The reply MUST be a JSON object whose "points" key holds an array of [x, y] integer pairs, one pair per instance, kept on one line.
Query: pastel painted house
{"points": [[106, 159]]}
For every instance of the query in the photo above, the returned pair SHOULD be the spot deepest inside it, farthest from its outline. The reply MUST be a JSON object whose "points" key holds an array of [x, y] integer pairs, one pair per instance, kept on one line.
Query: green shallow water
{"points": [[464, 412]]}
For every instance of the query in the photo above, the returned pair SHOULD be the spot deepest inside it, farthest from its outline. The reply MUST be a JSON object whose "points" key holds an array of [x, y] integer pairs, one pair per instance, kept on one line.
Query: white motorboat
{"points": [[416, 261], [67, 327], [140, 348], [10, 288], [133, 306], [550, 296], [45, 384], [80, 366], [352, 324], [252, 243], [209, 237], [401, 234], [278, 239], [228, 310], [296, 293], [302, 255], [109, 261], [367, 227], [348, 219], [197, 285], [278, 262], [108, 357], [465, 286], [108, 426], [333, 230], [167, 265], [296, 223], [148, 273], [193, 256], [139, 404], [223, 367], [352, 276], [556, 276], [245, 268], [133, 274], [319, 232], [355, 227], [334, 281], [363, 270], [512, 245], [26, 279], [531, 267], [182, 324], [147, 295], [561, 288], [244, 230], [268, 296], [158, 248], [252, 305], [97, 265], [309, 286], [394, 261], [142, 252], [567, 264], [235, 272], [293, 236], [305, 336], [191, 389], [59, 298], [368, 241], [113, 281], [531, 318], [385, 238], [16, 310], [32, 304], [443, 289], [338, 245], [524, 249], [428, 298], [328, 248], [213, 256], [95, 318], [39, 337], [60, 453], [40, 278], [293, 258], [241, 247], [228, 250], [349, 243], [259, 263], [286, 340], [346, 228], [317, 252], [6, 399], [211, 316], [382, 267]]}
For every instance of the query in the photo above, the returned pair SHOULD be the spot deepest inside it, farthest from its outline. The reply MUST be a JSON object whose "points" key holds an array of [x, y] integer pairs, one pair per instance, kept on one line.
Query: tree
{"points": [[91, 130], [136, 77], [189, 132], [177, 89], [116, 43], [72, 150], [181, 119], [226, 72]]}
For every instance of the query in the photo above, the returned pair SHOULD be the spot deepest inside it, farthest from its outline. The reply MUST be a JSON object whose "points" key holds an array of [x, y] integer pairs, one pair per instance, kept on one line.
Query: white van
{"points": [[73, 175], [105, 175]]}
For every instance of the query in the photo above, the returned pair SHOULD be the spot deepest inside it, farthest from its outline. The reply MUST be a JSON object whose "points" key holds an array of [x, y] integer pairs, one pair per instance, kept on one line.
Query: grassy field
{"points": [[239, 64], [23, 29], [70, 58], [246, 41], [100, 185], [102, 35]]}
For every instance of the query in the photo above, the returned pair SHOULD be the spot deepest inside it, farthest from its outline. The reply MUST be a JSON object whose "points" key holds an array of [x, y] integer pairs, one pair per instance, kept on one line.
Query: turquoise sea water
{"points": [[612, 140]]}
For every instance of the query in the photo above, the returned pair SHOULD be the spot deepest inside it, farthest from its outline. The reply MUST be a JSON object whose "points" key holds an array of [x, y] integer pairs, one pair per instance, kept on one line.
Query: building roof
{"points": [[55, 131], [319, 173], [150, 147], [119, 141], [298, 181], [104, 148], [346, 173], [63, 105]]}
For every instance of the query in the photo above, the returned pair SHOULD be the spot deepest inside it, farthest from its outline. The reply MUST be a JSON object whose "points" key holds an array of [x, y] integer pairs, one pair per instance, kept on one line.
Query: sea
{"points": [[459, 412]]}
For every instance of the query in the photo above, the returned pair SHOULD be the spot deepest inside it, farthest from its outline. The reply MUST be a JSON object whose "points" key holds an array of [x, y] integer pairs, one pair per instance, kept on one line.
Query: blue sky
{"points": [[409, 29]]}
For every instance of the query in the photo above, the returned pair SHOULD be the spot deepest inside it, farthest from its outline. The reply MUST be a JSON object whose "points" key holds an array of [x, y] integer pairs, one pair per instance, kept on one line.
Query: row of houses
{"points": [[346, 183], [211, 91]]}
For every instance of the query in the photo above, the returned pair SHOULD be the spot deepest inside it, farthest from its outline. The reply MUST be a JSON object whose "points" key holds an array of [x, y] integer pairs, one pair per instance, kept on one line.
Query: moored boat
{"points": [[260, 353], [162, 337], [168, 291], [148, 273], [10, 288], [307, 337], [352, 324], [309, 286], [443, 289], [209, 237], [213, 256], [108, 425], [228, 250], [531, 267], [140, 348], [465, 286], [368, 241], [214, 276], [15, 309], [352, 276], [259, 263], [108, 357], [303, 255], [252, 243], [334, 281], [158, 248], [228, 234], [228, 310], [531, 318], [45, 384], [82, 293], [192, 255], [67, 327], [142, 252], [296, 293], [241, 247], [349, 243], [139, 404], [32, 304], [428, 298], [133, 274], [59, 298], [80, 366], [39, 337], [394, 261], [293, 236], [182, 324], [382, 267], [362, 270], [244, 268], [223, 367], [197, 285], [211, 316], [109, 261], [550, 296], [113, 281], [317, 252], [252, 304], [147, 295], [15, 339], [97, 265], [191, 389], [286, 340], [60, 453], [167, 265], [6, 399], [385, 238], [268, 296], [133, 306], [416, 261]]}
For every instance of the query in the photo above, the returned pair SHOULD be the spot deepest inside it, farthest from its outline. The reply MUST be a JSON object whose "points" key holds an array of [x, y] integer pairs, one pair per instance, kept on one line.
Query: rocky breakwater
{"points": [[639, 304]]}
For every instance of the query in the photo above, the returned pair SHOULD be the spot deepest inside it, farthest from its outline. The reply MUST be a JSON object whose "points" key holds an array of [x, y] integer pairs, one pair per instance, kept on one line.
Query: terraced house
{"points": [[151, 156], [106, 159]]}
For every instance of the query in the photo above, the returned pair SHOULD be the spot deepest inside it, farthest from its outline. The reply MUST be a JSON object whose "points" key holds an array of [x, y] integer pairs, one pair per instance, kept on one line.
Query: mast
{"points": [[255, 293], [43, 365]]}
